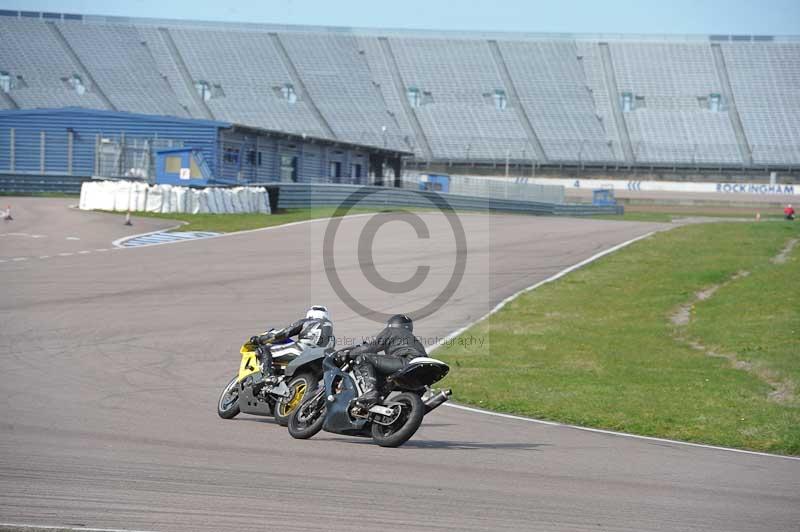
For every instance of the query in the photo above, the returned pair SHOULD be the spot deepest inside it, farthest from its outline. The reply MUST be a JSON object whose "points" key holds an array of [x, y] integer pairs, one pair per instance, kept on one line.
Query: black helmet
{"points": [[402, 321]]}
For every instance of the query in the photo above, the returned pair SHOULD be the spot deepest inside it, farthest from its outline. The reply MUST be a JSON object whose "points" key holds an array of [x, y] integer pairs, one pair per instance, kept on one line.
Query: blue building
{"points": [[85, 142]]}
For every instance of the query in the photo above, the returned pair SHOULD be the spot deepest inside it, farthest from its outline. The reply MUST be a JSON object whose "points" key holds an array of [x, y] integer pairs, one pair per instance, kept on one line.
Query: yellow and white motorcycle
{"points": [[296, 370]]}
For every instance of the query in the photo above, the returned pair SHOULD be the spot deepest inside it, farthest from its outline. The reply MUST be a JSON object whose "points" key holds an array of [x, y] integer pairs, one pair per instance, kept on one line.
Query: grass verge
{"points": [[228, 223], [598, 348]]}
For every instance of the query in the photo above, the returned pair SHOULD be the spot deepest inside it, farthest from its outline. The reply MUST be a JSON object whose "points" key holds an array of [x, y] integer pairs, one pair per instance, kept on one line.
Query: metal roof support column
{"points": [[298, 82], [79, 65], [613, 95], [505, 75], [733, 111], [399, 86]]}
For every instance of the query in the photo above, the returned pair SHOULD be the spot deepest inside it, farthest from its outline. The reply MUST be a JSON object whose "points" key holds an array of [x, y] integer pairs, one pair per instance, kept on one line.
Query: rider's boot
{"points": [[266, 366], [371, 395]]}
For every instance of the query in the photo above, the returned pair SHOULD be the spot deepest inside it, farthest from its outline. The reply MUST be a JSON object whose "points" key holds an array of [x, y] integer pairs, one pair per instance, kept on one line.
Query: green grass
{"points": [[228, 223], [667, 216], [597, 348]]}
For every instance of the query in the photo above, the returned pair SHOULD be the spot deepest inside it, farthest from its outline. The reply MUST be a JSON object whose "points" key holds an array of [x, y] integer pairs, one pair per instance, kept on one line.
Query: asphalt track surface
{"points": [[111, 364]]}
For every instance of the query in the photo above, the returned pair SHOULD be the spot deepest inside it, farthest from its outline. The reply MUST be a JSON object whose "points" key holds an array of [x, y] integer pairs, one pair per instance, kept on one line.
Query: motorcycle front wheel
{"points": [[228, 404], [307, 419], [301, 385], [406, 424]]}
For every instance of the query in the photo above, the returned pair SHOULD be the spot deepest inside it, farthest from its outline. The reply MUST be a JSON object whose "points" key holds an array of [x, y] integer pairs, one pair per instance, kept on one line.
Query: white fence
{"points": [[132, 196], [763, 189], [496, 187]]}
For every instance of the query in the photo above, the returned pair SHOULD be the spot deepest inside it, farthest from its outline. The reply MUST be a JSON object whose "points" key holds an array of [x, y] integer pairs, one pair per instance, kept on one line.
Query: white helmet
{"points": [[318, 312]]}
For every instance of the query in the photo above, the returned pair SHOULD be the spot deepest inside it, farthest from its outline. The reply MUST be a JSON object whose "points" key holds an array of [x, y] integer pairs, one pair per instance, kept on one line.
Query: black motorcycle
{"points": [[405, 398]]}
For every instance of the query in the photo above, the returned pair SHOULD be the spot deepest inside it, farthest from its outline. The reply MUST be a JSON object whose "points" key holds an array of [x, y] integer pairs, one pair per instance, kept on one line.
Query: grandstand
{"points": [[609, 102]]}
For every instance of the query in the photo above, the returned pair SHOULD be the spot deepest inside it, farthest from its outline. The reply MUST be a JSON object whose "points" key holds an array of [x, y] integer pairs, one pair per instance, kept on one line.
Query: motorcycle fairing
{"points": [[310, 355], [420, 372], [249, 363], [342, 389], [248, 403]]}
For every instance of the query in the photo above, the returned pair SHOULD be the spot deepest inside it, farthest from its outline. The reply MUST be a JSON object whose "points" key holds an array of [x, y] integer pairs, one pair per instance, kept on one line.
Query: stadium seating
{"points": [[766, 84], [30, 50], [123, 67], [670, 123], [446, 97], [338, 79], [249, 73]]}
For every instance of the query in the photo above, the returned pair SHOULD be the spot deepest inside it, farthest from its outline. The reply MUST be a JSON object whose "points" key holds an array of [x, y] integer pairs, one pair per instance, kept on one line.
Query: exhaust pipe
{"points": [[437, 399]]}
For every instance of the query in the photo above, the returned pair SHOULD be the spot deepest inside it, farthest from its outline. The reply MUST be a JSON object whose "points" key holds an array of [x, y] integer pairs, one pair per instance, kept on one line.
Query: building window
{"points": [[194, 170], [289, 168], [355, 171], [230, 155], [714, 102], [627, 102], [252, 157], [76, 83], [335, 171], [414, 96], [288, 93], [5, 81], [500, 100], [173, 164], [203, 90]]}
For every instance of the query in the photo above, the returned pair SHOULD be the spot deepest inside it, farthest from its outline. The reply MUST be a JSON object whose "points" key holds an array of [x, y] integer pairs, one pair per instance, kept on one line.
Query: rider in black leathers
{"points": [[398, 343], [315, 330]]}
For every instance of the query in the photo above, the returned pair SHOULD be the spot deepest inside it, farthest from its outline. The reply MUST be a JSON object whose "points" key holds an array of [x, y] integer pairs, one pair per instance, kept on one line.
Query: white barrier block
{"points": [[179, 194], [139, 202], [122, 196], [155, 199], [168, 204], [137, 196]]}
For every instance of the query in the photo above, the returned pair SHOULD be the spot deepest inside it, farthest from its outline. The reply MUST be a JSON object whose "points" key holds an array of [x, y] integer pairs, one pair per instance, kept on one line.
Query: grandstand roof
{"points": [[403, 32]]}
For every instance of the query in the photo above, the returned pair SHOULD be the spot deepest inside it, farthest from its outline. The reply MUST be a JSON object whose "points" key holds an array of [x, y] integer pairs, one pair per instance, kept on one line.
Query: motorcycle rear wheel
{"points": [[228, 404], [407, 424], [308, 418]]}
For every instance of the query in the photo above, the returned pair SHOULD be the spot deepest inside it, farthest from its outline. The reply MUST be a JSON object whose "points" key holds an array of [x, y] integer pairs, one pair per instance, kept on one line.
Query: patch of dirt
{"points": [[683, 314], [783, 256], [783, 391]]}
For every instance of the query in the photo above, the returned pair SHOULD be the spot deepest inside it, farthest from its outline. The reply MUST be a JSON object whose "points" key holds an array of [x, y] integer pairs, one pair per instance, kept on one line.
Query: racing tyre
{"points": [[299, 386], [406, 424], [228, 404], [307, 419]]}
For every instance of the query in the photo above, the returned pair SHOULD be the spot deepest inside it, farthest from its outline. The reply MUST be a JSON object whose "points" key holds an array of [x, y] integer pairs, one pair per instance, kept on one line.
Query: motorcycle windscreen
{"points": [[418, 375]]}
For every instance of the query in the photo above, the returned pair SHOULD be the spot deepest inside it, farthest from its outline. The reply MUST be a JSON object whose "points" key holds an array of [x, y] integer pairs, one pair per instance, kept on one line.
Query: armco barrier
{"points": [[38, 184], [304, 195]]}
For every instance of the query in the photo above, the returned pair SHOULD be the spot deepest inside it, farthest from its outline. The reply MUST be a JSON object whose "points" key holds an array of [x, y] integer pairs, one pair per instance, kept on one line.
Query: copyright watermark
{"points": [[366, 262]]}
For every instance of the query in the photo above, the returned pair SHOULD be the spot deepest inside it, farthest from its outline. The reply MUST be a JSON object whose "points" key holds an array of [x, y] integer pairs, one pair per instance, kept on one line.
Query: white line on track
{"points": [[550, 279], [65, 254], [86, 529], [44, 257], [118, 242], [84, 252], [614, 433], [19, 259], [100, 250]]}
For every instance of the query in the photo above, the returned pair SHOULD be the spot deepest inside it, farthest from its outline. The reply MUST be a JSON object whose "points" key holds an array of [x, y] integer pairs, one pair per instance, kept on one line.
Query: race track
{"points": [[111, 364]]}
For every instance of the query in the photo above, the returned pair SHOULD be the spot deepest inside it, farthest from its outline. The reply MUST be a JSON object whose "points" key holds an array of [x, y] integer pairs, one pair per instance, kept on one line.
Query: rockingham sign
{"points": [[765, 189]]}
